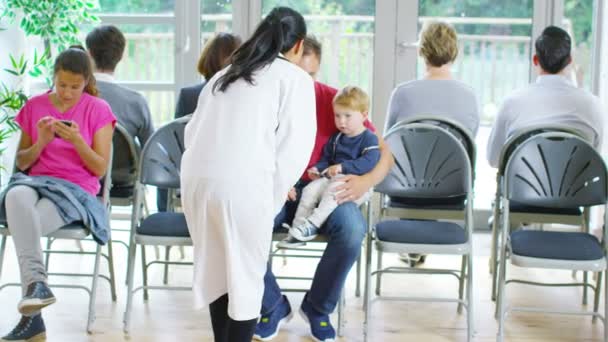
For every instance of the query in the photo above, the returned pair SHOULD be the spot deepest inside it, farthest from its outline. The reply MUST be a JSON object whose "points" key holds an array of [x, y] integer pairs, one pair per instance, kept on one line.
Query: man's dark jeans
{"points": [[345, 229]]}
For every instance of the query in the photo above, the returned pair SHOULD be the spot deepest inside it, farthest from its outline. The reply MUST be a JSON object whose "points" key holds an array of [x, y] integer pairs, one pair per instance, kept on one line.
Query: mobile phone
{"points": [[66, 122]]}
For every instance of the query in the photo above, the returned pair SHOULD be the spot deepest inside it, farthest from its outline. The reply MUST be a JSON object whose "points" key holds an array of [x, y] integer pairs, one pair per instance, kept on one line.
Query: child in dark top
{"points": [[353, 150]]}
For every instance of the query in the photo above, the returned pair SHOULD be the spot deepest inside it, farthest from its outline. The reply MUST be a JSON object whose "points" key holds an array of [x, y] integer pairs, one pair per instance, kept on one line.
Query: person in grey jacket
{"points": [[106, 45]]}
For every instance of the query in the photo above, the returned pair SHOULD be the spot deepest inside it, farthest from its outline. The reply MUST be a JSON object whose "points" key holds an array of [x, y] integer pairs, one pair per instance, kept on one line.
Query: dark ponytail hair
{"points": [[76, 60], [277, 33]]}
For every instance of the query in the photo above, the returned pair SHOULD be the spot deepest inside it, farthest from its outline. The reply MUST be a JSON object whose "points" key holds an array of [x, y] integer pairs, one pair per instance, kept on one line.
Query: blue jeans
{"points": [[345, 229]]}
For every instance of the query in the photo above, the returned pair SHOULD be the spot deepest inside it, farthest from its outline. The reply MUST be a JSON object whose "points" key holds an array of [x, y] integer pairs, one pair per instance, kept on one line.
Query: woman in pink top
{"points": [[66, 136]]}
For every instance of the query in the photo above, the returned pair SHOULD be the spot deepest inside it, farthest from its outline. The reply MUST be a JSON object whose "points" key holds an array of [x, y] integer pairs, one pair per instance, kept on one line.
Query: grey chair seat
{"points": [[70, 231], [164, 224], [421, 232], [556, 245]]}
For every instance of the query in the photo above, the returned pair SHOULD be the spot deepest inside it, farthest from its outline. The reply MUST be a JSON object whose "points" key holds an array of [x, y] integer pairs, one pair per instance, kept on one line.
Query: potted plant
{"points": [[56, 23]]}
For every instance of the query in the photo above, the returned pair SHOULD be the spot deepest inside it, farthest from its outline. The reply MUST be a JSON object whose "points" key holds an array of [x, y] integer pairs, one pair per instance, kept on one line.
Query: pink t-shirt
{"points": [[59, 158]]}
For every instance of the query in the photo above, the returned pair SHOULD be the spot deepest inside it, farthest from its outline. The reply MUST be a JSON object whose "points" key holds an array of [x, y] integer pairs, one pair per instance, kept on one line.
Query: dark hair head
{"points": [[106, 44], [312, 47], [75, 60], [216, 54], [278, 32], [553, 49]]}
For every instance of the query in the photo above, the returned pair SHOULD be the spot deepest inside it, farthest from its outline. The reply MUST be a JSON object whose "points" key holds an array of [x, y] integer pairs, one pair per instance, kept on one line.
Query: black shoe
{"points": [[30, 329], [38, 296]]}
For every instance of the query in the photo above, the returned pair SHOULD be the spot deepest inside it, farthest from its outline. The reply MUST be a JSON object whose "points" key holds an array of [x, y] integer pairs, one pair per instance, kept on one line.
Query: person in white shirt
{"points": [[552, 100], [244, 145]]}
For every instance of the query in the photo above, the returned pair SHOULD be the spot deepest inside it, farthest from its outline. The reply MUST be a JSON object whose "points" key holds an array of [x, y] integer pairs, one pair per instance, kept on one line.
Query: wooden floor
{"points": [[168, 316]]}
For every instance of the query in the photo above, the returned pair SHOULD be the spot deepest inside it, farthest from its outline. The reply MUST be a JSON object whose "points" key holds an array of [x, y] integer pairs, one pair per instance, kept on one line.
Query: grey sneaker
{"points": [[30, 329], [305, 231], [38, 296], [290, 242]]}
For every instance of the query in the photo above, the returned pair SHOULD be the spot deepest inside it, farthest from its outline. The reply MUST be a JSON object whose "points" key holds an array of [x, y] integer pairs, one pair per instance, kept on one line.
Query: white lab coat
{"points": [[245, 148]]}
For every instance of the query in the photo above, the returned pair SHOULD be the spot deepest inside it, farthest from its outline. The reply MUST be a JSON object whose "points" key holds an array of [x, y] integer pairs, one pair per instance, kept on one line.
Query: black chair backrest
{"points": [[454, 127], [520, 136], [555, 170], [126, 158], [162, 155], [430, 162]]}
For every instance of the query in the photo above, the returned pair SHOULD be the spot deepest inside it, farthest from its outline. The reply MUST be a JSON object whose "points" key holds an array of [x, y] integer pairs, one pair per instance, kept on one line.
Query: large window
{"points": [[494, 45], [163, 45], [346, 30], [578, 21], [494, 58]]}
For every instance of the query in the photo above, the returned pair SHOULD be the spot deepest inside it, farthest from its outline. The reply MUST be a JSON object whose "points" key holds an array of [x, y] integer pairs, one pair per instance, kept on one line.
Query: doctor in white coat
{"points": [[244, 144]]}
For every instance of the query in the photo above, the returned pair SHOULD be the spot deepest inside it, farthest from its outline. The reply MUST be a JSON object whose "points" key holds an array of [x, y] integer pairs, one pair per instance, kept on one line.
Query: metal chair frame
{"points": [[465, 250], [523, 261], [144, 240]]}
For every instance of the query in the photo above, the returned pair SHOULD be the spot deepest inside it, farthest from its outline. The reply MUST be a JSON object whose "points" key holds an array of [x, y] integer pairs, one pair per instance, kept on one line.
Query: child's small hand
{"points": [[334, 170], [292, 195], [314, 173]]}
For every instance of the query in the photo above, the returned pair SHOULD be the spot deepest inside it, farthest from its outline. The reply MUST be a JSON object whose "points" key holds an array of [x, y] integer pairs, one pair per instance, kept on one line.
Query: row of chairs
{"points": [[547, 175], [432, 178]]}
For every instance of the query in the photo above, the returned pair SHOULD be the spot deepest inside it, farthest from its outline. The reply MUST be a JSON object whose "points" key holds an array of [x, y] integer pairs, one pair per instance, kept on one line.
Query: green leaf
{"points": [[13, 72], [13, 62], [23, 68]]}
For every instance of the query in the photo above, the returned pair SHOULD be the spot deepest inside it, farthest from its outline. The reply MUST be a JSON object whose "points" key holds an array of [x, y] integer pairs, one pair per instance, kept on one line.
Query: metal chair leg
{"points": [[111, 271], [586, 282], [131, 271], [379, 274], [461, 281], [470, 300], [93, 294], [167, 257], [341, 315], [144, 268], [501, 296], [358, 280], [494, 254], [367, 290], [605, 305], [2, 250], [49, 243], [596, 296]]}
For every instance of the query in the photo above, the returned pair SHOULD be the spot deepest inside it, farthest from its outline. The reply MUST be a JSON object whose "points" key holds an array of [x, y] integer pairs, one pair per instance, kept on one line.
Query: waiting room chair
{"points": [[159, 166], [559, 171], [519, 213], [432, 168], [78, 232]]}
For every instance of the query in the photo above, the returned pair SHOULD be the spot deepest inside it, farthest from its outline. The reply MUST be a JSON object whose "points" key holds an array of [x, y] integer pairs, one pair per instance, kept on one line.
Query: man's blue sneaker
{"points": [[268, 326], [37, 296], [321, 329], [30, 329]]}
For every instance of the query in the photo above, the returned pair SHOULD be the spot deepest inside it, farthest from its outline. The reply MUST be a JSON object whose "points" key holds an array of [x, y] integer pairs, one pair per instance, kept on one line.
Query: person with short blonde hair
{"points": [[458, 102], [437, 94], [353, 98], [438, 44], [353, 150]]}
